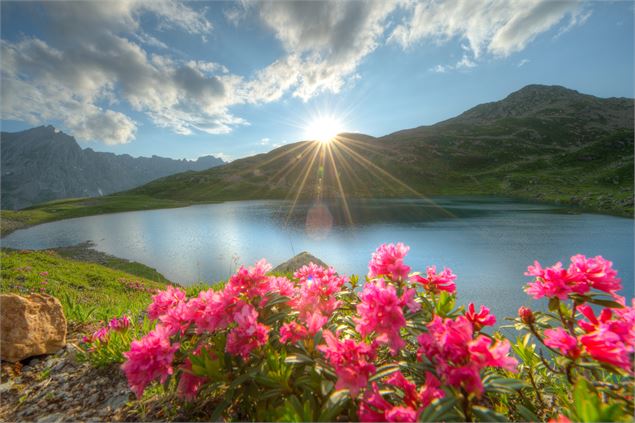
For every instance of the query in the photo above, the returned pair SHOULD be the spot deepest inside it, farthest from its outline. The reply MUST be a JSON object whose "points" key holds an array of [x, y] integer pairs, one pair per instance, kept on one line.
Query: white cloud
{"points": [[499, 27], [95, 59], [264, 141], [325, 41]]}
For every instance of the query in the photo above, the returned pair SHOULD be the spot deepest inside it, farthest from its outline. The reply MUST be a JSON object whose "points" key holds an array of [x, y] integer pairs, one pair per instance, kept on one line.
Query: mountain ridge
{"points": [[540, 142], [568, 148], [43, 164]]}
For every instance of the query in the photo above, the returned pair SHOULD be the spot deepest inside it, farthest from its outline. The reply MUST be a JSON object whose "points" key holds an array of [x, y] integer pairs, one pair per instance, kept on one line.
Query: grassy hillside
{"points": [[540, 143], [88, 291]]}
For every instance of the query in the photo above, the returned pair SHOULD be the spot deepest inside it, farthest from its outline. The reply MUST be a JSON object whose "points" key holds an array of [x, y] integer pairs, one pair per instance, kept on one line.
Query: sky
{"points": [[233, 79]]}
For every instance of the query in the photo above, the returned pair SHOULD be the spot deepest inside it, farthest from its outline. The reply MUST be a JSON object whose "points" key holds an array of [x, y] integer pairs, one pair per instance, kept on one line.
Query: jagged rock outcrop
{"points": [[30, 326], [44, 164]]}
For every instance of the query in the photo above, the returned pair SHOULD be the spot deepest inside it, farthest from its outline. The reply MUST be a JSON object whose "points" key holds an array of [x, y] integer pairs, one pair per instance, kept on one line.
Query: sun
{"points": [[323, 129]]}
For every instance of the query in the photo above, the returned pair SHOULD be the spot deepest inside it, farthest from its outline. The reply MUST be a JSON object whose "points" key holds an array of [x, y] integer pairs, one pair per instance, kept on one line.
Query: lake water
{"points": [[488, 242]]}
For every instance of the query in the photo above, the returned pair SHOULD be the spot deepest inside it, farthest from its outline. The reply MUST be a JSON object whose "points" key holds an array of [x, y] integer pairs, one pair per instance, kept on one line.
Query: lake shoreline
{"points": [[13, 220]]}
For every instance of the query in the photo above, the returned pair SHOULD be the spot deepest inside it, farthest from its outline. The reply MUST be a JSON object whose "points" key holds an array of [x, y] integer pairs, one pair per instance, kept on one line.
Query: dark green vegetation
{"points": [[87, 291], [540, 143], [544, 143], [84, 252]]}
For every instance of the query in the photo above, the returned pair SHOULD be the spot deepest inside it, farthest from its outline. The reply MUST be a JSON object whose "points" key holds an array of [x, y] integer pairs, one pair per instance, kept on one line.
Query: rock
{"points": [[56, 417], [32, 325], [117, 401], [298, 261]]}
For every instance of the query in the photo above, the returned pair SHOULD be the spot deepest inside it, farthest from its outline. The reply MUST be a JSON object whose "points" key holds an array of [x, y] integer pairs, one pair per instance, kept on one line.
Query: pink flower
{"points": [[554, 281], [149, 359], [374, 408], [43, 274], [560, 419], [437, 282], [177, 319], [414, 399], [611, 337], [351, 360], [526, 315], [597, 271], [164, 300], [282, 285], [561, 340], [387, 261], [119, 324], [484, 353], [315, 322], [248, 334], [252, 282], [480, 319], [211, 311], [450, 347], [315, 296], [100, 334], [292, 332], [401, 414], [189, 383], [381, 311]]}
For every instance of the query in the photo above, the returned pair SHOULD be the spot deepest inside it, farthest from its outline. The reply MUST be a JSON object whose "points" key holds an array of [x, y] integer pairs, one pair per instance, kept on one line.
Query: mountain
{"points": [[541, 143], [43, 164]]}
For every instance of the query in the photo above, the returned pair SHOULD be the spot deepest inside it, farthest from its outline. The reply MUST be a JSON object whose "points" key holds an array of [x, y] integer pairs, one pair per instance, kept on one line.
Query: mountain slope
{"points": [[43, 164], [541, 142]]}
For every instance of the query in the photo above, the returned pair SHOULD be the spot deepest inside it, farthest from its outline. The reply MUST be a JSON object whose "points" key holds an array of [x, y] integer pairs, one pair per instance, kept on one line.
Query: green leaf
{"points": [[334, 405], [438, 410], [554, 304], [298, 358], [384, 371], [218, 410], [486, 415], [527, 414]]}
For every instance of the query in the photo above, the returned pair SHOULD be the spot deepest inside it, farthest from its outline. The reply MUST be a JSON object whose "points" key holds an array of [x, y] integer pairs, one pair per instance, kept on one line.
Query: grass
{"points": [[84, 252], [79, 207], [88, 291]]}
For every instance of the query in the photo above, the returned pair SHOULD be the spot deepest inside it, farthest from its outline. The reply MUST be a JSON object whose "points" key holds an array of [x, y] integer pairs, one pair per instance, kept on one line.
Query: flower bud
{"points": [[526, 315]]}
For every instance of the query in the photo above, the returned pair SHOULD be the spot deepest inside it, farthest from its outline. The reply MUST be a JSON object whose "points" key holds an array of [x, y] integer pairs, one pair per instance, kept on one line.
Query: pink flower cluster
{"points": [[437, 282], [232, 308], [116, 324], [314, 298], [481, 319], [374, 408], [387, 261], [351, 360], [580, 277], [149, 359], [458, 356], [164, 301], [608, 338], [381, 311], [136, 286]]}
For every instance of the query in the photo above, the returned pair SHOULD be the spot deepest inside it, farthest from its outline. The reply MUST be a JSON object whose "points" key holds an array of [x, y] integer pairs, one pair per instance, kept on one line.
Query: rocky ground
{"points": [[59, 387]]}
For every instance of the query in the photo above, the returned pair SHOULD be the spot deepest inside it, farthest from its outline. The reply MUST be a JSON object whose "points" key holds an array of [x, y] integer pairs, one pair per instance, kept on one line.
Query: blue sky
{"points": [[234, 79]]}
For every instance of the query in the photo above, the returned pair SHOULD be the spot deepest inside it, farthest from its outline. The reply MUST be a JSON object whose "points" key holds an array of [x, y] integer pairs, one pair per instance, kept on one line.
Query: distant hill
{"points": [[541, 142], [44, 164]]}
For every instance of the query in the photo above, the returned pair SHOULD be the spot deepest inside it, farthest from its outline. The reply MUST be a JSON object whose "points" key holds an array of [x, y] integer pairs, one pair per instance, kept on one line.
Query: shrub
{"points": [[315, 348]]}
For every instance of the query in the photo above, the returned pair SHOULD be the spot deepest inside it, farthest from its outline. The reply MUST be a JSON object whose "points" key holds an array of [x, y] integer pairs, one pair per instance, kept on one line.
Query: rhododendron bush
{"points": [[323, 347]]}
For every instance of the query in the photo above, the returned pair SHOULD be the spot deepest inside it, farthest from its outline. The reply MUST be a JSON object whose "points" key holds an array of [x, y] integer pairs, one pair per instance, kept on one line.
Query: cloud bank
{"points": [[101, 57]]}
